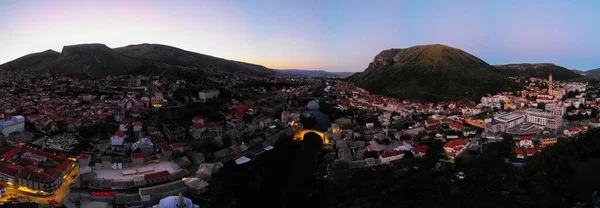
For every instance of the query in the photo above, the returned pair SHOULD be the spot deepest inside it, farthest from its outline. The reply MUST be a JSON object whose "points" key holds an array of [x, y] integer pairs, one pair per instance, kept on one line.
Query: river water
{"points": [[322, 119]]}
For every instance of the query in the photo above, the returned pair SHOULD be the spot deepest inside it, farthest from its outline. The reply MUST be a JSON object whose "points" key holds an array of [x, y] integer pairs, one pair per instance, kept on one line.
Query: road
{"points": [[58, 195]]}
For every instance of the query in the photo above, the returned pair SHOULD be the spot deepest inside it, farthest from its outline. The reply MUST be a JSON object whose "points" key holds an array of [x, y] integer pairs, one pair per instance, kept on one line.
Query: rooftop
{"points": [[117, 174]]}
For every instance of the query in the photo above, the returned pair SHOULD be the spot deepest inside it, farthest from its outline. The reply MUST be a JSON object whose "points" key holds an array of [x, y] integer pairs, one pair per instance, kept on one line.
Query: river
{"points": [[322, 119]]}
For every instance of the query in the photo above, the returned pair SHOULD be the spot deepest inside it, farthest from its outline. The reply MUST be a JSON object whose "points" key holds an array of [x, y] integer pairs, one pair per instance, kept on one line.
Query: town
{"points": [[136, 140]]}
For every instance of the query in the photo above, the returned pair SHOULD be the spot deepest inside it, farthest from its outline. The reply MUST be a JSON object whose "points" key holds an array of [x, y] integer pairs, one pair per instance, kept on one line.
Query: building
{"points": [[526, 142], [548, 139], [388, 157], [158, 100], [504, 122], [174, 132], [419, 151], [2, 190], [456, 147], [557, 108], [550, 85], [208, 94], [542, 118], [16, 124], [176, 202], [511, 119], [138, 158]]}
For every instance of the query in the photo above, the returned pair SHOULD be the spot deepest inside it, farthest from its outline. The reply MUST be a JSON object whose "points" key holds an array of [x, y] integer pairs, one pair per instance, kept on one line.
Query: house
{"points": [[548, 139], [530, 152], [167, 151], [118, 138], [159, 142], [432, 123], [454, 148], [594, 123], [419, 151], [157, 177], [526, 142], [572, 132], [196, 130], [265, 121], [138, 158], [520, 154], [177, 147], [137, 126], [389, 157], [198, 119], [457, 126]]}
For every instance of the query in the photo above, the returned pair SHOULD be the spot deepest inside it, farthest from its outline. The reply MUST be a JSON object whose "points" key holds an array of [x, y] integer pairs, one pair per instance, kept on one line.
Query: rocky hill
{"points": [[33, 62], [100, 60], [539, 70], [431, 73]]}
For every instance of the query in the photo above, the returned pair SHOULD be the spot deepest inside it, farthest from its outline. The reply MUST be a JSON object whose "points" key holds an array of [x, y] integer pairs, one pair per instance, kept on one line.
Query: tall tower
{"points": [[180, 201], [550, 84]]}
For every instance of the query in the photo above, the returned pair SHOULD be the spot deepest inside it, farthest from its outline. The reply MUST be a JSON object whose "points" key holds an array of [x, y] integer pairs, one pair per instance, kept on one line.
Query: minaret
{"points": [[180, 202], [550, 84]]}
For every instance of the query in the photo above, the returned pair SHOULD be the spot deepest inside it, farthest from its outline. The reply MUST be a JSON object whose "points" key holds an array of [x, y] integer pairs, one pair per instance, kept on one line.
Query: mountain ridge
{"points": [[96, 59], [538, 70], [431, 73]]}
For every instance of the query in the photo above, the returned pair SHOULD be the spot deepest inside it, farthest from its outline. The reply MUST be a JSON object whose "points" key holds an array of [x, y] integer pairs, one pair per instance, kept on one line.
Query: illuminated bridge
{"points": [[299, 136]]}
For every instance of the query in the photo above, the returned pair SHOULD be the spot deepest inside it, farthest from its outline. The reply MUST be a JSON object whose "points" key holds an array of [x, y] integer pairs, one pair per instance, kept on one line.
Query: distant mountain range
{"points": [[539, 70], [431, 73], [593, 73], [100, 60], [312, 72]]}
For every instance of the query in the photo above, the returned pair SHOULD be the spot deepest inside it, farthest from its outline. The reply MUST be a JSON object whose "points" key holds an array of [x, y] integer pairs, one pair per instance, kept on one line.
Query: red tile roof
{"points": [[9, 169], [523, 138], [152, 176], [137, 123], [457, 125], [389, 154], [197, 119], [158, 140], [177, 145], [10, 154], [455, 143], [420, 149], [198, 125], [167, 148], [120, 134], [27, 161], [530, 151], [84, 156], [138, 155]]}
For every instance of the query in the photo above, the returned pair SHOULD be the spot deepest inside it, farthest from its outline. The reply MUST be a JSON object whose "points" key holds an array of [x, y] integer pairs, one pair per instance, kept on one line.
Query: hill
{"points": [[99, 60], [431, 73], [594, 73], [93, 60], [582, 73], [311, 72], [32, 62], [539, 70], [179, 57]]}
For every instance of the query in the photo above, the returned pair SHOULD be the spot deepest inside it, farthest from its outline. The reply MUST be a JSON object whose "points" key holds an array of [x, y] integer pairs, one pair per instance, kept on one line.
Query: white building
{"points": [[16, 124], [511, 119], [542, 118], [557, 108], [208, 94]]}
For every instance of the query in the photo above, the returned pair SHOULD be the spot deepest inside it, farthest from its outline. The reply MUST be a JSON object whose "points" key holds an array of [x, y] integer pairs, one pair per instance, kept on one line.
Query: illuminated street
{"points": [[59, 194]]}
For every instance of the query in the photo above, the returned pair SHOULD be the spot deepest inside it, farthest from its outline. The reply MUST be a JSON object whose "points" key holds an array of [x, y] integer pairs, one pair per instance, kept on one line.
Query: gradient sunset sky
{"points": [[341, 35]]}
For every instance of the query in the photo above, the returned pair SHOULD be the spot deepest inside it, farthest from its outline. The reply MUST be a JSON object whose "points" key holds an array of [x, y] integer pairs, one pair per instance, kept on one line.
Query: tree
{"points": [[541, 106]]}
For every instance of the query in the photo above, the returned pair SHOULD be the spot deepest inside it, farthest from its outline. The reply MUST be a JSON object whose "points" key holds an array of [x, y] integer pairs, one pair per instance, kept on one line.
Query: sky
{"points": [[330, 35]]}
